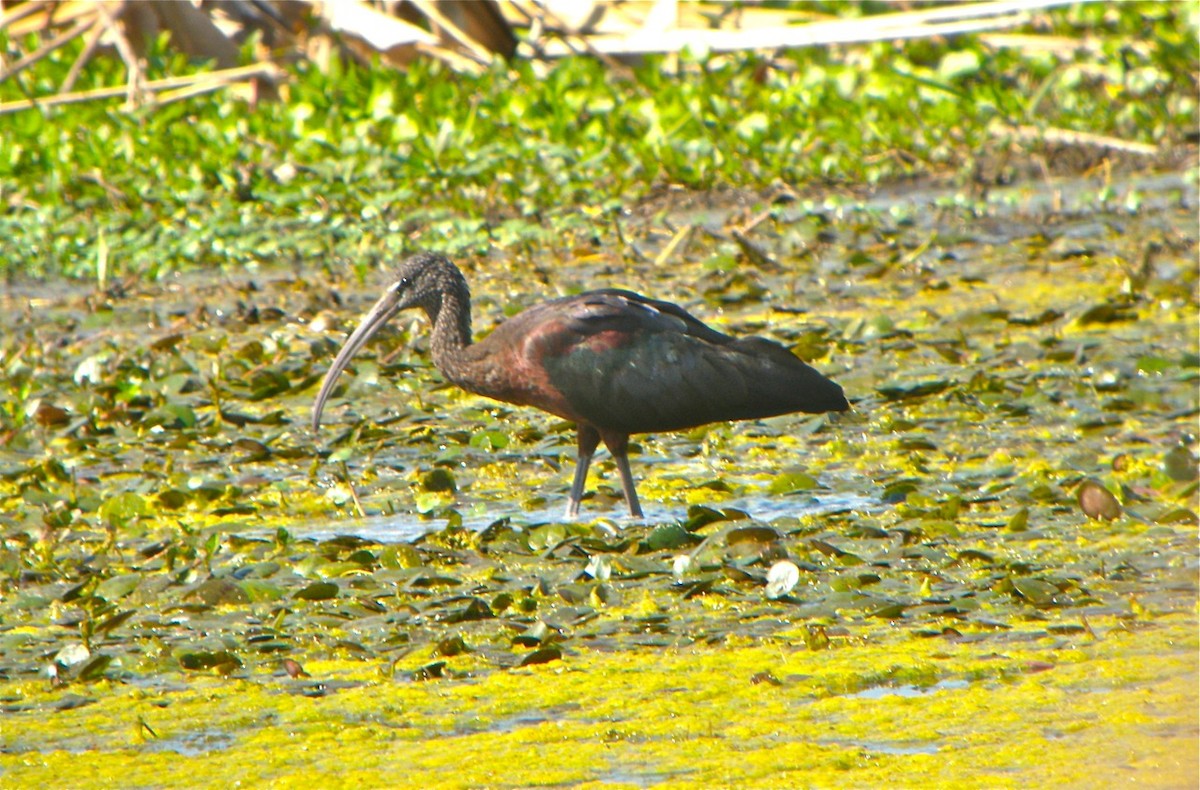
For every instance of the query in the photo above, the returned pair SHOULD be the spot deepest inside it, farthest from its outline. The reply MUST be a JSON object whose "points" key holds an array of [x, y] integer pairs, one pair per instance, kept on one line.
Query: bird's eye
{"points": [[402, 284]]}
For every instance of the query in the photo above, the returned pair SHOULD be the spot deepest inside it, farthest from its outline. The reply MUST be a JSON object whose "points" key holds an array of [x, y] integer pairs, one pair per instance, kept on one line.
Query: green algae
{"points": [[1020, 714]]}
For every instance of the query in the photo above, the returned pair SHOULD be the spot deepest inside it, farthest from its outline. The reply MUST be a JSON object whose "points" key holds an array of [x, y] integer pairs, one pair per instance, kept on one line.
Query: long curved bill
{"points": [[383, 310]]}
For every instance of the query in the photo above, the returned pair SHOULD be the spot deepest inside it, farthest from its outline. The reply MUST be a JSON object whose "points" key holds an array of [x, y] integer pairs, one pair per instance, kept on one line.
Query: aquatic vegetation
{"points": [[986, 570]]}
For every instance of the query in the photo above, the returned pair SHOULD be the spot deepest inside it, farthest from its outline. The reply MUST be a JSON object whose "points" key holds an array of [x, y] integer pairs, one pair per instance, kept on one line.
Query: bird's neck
{"points": [[451, 320]]}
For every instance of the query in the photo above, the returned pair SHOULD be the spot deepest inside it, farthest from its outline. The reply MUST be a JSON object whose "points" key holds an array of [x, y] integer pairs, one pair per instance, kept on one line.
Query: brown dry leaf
{"points": [[48, 415], [1097, 502]]}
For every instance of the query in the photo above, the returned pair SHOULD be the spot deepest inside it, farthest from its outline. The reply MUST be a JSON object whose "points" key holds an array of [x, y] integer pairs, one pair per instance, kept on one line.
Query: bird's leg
{"points": [[618, 445], [587, 439]]}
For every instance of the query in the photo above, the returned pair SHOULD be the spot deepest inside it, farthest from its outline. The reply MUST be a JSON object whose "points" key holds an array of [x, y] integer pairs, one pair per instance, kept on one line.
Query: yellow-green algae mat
{"points": [[1114, 707]]}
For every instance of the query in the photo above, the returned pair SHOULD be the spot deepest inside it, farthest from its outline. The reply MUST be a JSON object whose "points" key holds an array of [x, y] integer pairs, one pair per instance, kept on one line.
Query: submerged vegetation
{"points": [[986, 571]]}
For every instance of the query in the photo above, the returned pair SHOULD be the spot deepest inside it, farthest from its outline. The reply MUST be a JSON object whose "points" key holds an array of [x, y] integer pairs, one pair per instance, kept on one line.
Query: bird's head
{"points": [[421, 281]]}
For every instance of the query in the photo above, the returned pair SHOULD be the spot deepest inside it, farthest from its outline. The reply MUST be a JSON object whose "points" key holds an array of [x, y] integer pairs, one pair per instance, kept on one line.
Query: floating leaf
{"points": [[268, 383], [451, 646], [400, 555], [1180, 464], [698, 586], [1177, 515], [1045, 317], [534, 635], [110, 623], [888, 610], [436, 669], [853, 581], [476, 609], [94, 669], [489, 440], [294, 669], [317, 591], [1019, 521], [700, 516], [220, 591], [122, 508], [426, 580], [1097, 502], [542, 655], [170, 415], [898, 491], [221, 661], [77, 592], [1108, 313], [172, 498], [501, 602], [759, 535], [734, 573], [916, 389], [1036, 591], [439, 479], [251, 450], [71, 702], [827, 548], [791, 482], [167, 342], [915, 444], [574, 593], [669, 536], [118, 586]]}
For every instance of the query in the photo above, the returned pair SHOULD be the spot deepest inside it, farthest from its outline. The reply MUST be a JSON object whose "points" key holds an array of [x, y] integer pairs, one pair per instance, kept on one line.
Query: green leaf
{"points": [[791, 482], [669, 536], [489, 440], [118, 586], [439, 480], [1036, 591], [542, 655], [959, 64], [124, 507], [916, 389], [317, 591], [753, 125], [221, 661], [94, 669]]}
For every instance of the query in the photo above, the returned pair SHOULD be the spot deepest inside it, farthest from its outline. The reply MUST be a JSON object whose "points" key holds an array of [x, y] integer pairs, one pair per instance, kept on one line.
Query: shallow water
{"points": [[403, 527]]}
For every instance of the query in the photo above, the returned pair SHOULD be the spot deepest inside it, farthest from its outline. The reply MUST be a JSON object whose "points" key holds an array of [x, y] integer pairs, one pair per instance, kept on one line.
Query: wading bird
{"points": [[611, 361]]}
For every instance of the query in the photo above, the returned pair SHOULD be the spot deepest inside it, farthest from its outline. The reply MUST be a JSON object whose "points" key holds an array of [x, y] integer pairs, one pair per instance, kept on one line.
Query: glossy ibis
{"points": [[611, 361]]}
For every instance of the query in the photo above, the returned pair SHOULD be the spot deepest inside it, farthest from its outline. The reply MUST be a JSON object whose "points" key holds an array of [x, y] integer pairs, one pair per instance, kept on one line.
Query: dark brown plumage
{"points": [[613, 362]]}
